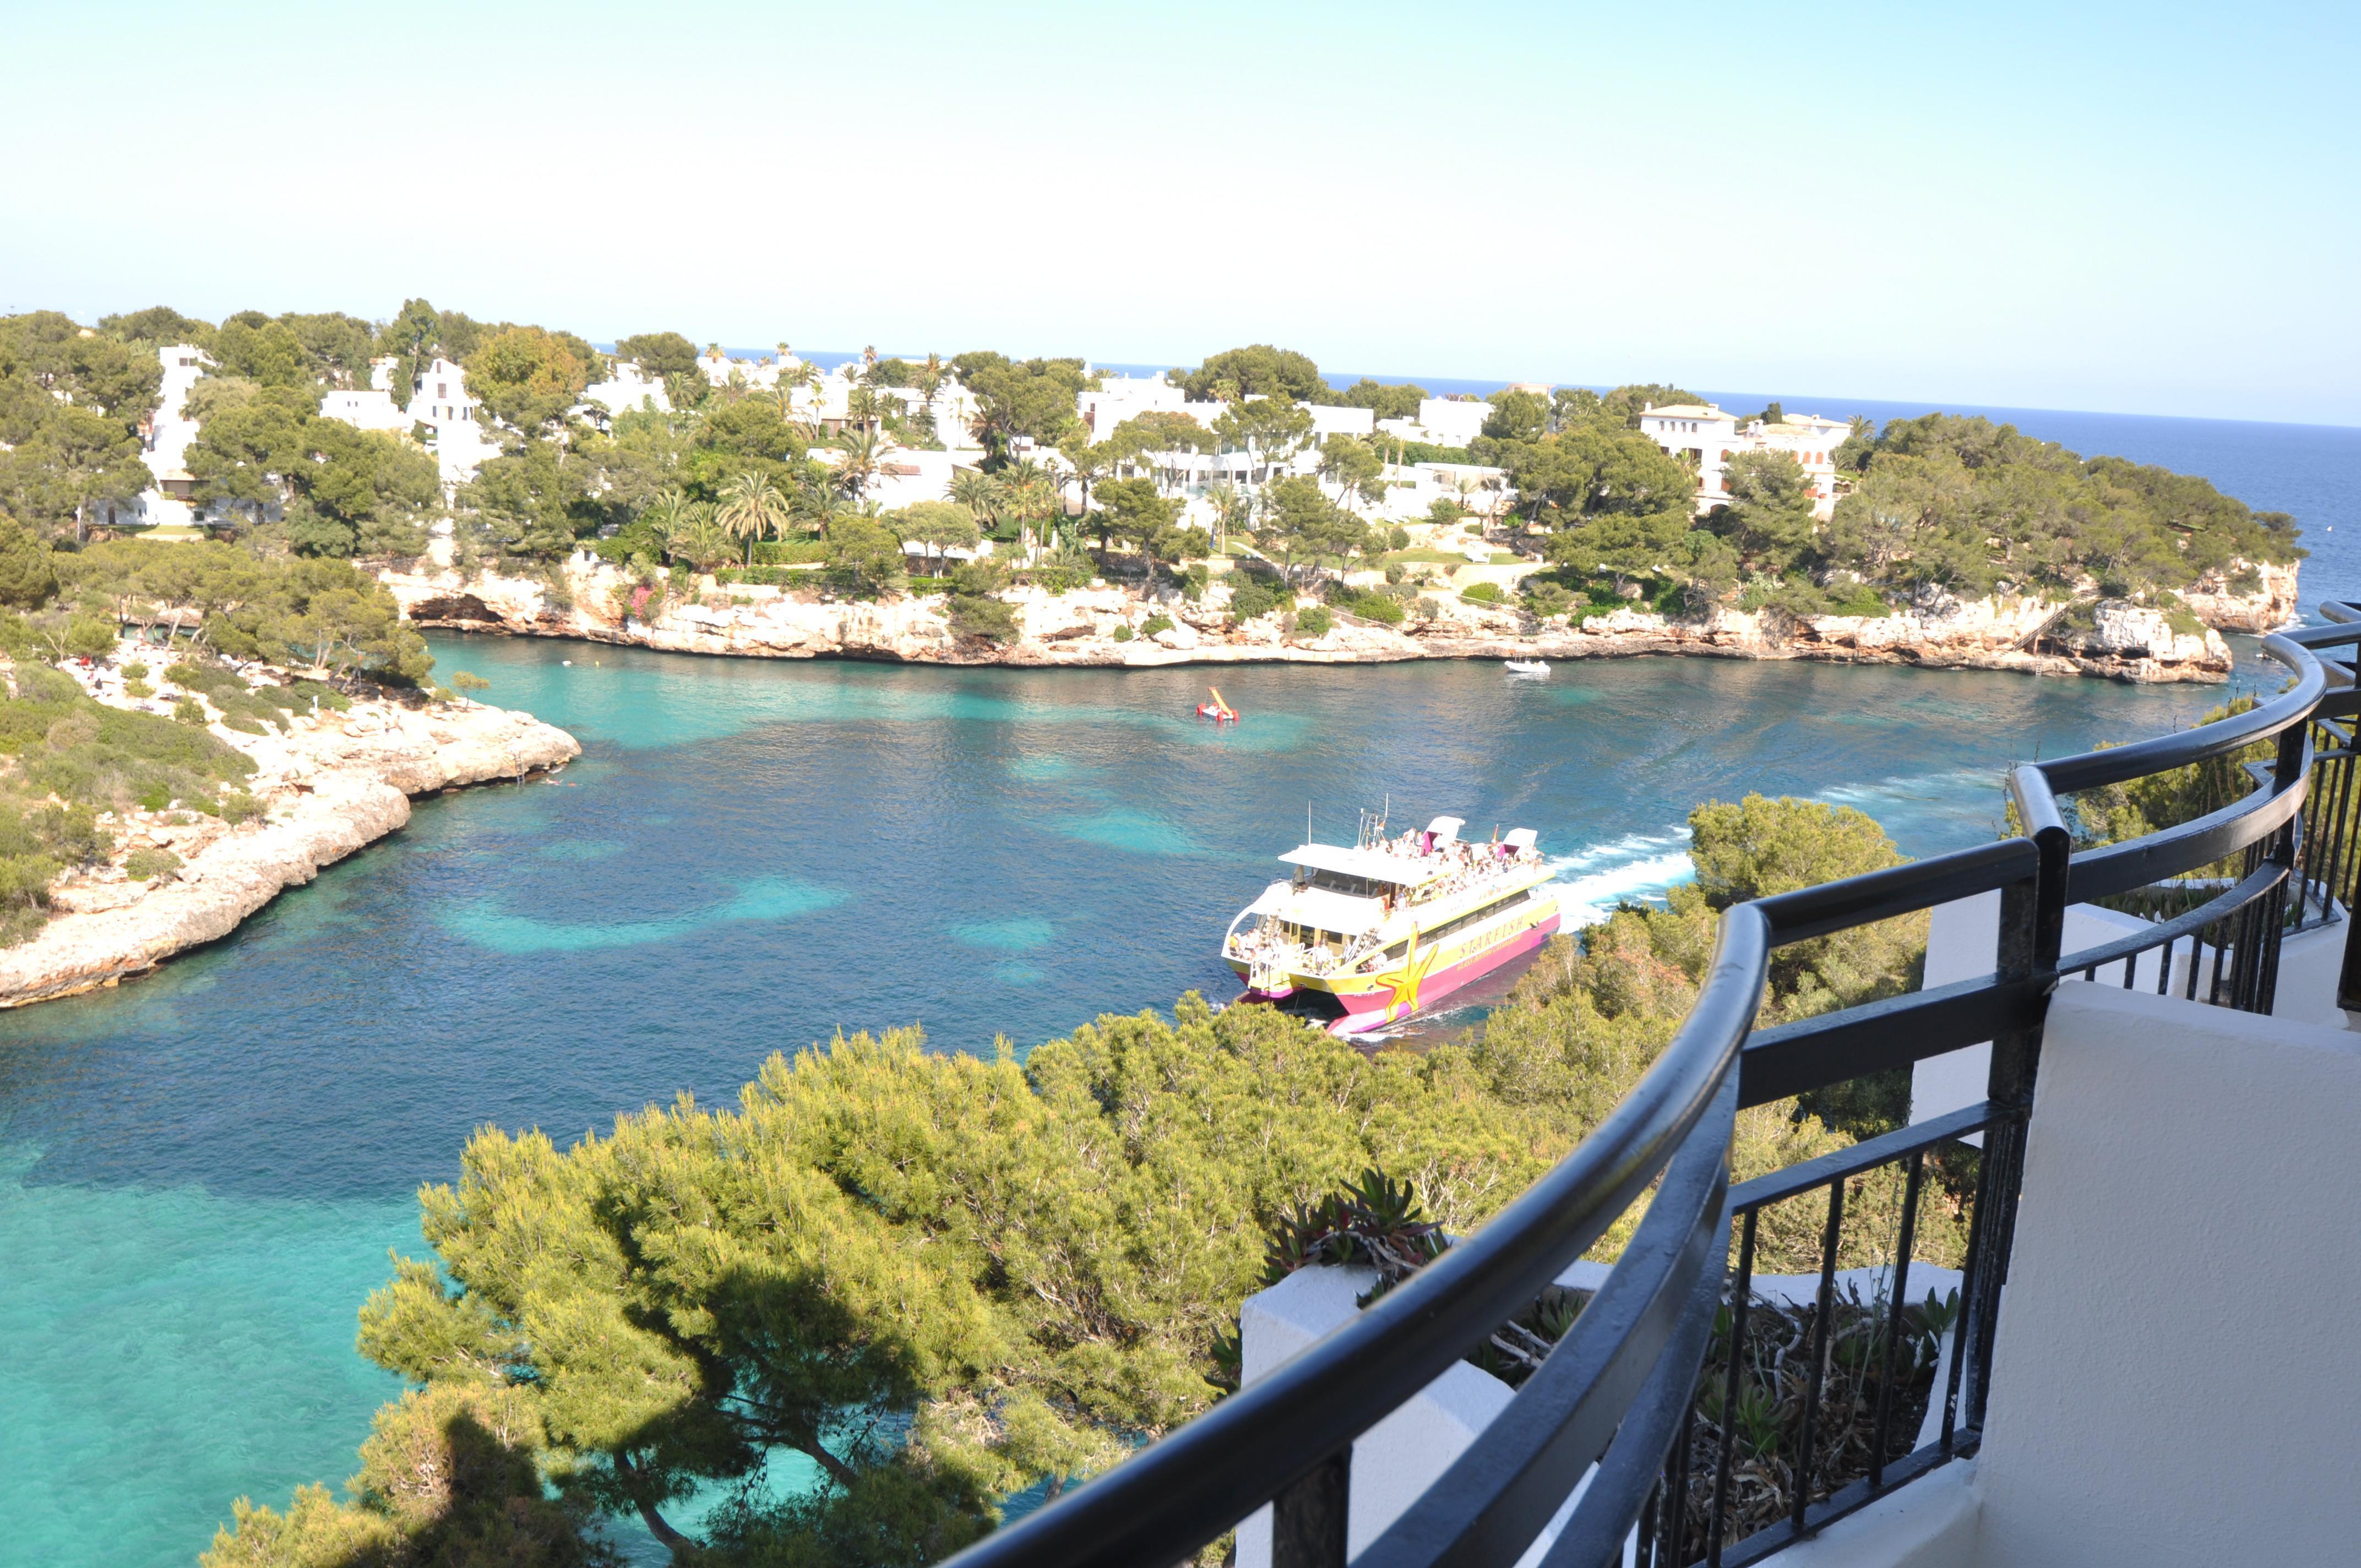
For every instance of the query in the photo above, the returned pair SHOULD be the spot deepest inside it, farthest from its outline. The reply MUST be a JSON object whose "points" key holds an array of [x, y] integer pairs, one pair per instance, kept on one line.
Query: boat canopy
{"points": [[1522, 838], [1321, 909], [1373, 865]]}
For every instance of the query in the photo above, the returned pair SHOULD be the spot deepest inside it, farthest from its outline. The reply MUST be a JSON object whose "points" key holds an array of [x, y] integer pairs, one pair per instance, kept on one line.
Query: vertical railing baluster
{"points": [[1738, 1301], [1676, 1495], [1307, 1520], [1827, 1310], [1898, 1293], [1970, 1274]]}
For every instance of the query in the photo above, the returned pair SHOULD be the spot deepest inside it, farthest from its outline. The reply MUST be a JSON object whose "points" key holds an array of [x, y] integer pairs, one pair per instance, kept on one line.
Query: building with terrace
{"points": [[2134, 1077], [1705, 437]]}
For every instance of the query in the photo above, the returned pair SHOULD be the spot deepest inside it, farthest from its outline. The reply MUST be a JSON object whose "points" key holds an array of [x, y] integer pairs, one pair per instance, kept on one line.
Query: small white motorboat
{"points": [[1526, 668]]}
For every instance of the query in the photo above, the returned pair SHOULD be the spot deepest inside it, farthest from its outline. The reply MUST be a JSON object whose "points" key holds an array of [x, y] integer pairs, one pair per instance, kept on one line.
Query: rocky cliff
{"points": [[329, 786], [2116, 639]]}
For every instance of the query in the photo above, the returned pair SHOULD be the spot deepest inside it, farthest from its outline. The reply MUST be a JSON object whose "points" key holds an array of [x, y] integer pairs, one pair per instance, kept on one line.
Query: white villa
{"points": [[1441, 421], [1706, 436], [628, 391], [165, 442]]}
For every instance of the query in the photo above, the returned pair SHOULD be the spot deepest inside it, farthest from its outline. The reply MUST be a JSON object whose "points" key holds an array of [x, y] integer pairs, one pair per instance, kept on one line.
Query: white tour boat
{"points": [[1390, 926]]}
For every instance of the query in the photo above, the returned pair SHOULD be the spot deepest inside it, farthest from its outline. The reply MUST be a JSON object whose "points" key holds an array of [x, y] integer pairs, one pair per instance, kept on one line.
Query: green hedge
{"points": [[790, 552], [1481, 593]]}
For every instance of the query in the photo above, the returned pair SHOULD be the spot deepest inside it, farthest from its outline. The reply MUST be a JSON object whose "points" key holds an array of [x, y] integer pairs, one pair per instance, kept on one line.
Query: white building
{"points": [[164, 444], [1118, 398], [1706, 436], [1328, 421], [628, 392], [1451, 421], [440, 401], [372, 410]]}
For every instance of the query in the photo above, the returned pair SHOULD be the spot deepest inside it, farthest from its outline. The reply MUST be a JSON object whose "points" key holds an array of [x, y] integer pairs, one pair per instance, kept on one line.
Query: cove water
{"points": [[201, 1173]]}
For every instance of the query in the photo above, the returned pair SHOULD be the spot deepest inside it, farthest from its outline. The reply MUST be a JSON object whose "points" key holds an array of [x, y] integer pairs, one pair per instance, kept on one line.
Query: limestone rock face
{"points": [[330, 786], [599, 603]]}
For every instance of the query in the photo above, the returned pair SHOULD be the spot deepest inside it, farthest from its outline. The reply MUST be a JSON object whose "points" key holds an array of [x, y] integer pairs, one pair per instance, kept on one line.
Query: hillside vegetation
{"points": [[942, 1279]]}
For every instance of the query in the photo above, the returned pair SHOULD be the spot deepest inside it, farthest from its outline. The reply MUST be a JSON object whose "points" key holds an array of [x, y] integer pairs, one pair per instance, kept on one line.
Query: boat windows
{"points": [[1460, 922], [1338, 881]]}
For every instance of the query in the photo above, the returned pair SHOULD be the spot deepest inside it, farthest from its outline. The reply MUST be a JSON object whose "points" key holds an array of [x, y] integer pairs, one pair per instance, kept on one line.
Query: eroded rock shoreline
{"points": [[331, 785], [589, 601]]}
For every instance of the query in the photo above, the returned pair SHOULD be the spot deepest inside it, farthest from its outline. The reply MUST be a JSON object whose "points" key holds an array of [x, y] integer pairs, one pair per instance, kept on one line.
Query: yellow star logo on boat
{"points": [[1404, 981]]}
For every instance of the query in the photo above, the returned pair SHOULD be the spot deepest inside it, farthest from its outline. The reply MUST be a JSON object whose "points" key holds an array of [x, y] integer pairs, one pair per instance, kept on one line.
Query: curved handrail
{"points": [[1639, 1351], [1253, 1444]]}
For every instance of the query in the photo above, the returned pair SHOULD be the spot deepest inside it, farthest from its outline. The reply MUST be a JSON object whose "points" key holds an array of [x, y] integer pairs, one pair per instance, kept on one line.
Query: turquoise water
{"points": [[201, 1173]]}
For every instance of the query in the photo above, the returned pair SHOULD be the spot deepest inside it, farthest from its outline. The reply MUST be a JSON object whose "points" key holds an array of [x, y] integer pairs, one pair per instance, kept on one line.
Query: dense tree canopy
{"points": [[1021, 397], [293, 350], [1384, 401], [942, 1279], [659, 354], [530, 377], [344, 491], [1257, 370], [70, 403]]}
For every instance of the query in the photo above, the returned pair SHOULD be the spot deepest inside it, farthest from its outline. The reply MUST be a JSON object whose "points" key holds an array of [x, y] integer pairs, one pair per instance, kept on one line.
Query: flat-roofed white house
{"points": [[1118, 398], [440, 401], [1327, 420], [164, 440], [370, 409], [628, 392], [1706, 435], [1453, 421]]}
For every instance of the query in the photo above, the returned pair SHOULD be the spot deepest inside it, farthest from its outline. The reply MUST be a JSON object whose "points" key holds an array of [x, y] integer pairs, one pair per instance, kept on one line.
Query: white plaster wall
{"points": [[2175, 1378], [1931, 1523], [1961, 936]]}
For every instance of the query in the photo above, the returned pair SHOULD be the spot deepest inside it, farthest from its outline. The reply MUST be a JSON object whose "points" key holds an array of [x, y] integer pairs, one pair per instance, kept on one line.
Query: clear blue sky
{"points": [[2141, 208]]}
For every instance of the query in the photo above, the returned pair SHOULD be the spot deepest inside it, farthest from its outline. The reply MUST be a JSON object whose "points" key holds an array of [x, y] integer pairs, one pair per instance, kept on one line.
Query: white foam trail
{"points": [[1588, 900], [1593, 880]]}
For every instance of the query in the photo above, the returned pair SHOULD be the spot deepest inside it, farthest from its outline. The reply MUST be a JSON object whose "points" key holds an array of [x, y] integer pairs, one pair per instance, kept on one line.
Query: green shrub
{"points": [[135, 671], [188, 710], [1377, 607], [1397, 538], [1481, 593], [1313, 622], [1424, 607], [761, 577], [978, 615], [1859, 599], [145, 864], [238, 806], [1545, 597], [138, 688], [1250, 600], [1154, 624], [1124, 633], [789, 553]]}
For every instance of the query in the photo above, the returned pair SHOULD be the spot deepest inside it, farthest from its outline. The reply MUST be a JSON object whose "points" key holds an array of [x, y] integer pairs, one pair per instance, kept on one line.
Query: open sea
{"points": [[201, 1173]]}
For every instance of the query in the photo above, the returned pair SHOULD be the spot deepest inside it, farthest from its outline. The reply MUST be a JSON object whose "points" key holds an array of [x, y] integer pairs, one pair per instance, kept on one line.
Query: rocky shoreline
{"points": [[588, 601], [330, 786]]}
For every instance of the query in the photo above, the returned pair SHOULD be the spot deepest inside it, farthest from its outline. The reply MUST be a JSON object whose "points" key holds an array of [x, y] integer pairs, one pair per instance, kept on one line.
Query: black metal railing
{"points": [[1616, 1400]]}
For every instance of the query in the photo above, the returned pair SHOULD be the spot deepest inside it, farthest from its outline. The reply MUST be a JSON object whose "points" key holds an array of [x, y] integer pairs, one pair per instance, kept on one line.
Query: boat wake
{"points": [[1593, 881]]}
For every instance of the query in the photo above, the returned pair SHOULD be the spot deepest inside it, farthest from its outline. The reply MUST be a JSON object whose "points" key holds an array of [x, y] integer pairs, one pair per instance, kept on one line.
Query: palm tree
{"points": [[864, 407], [865, 453], [695, 538], [1033, 492], [752, 506], [818, 502], [979, 493]]}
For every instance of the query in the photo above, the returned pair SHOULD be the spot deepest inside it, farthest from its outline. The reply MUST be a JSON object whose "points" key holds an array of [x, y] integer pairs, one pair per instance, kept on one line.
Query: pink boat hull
{"points": [[1367, 1009]]}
